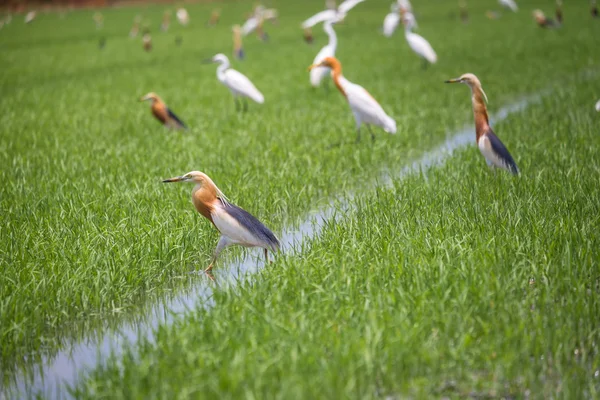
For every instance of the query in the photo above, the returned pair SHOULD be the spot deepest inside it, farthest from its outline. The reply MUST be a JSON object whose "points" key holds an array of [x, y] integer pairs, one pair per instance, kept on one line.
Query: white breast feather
{"points": [[229, 227], [240, 84]]}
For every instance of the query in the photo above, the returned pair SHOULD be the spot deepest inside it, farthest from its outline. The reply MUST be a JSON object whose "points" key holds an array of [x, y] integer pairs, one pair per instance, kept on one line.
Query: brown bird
{"points": [[542, 20], [593, 8], [236, 225], [308, 36], [238, 50], [163, 113], [496, 155], [147, 39], [166, 21], [559, 13], [214, 17]]}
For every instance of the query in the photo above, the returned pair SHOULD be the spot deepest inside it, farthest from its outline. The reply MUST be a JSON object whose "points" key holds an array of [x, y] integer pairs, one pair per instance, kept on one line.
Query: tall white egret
{"points": [[510, 4], [318, 73], [339, 14], [420, 46], [364, 107], [238, 83], [391, 21], [492, 149]]}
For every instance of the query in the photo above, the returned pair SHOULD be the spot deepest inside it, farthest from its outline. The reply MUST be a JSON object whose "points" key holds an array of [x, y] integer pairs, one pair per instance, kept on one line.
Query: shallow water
{"points": [[52, 374]]}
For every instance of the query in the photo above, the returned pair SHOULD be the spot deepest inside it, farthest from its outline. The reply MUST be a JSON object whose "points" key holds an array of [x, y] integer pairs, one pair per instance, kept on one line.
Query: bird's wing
{"points": [[390, 23], [421, 46], [242, 227], [176, 118], [241, 84], [319, 17], [369, 109], [509, 4], [348, 5], [249, 25], [495, 151]]}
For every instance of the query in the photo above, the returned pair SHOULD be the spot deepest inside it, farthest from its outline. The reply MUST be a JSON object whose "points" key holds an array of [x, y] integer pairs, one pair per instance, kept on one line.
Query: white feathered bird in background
{"points": [[318, 73], [238, 83], [391, 21], [510, 4], [365, 108], [337, 14], [419, 45]]}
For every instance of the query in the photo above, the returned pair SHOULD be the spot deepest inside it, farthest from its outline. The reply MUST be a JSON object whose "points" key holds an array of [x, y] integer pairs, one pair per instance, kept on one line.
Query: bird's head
{"points": [[329, 62], [150, 96], [218, 59], [471, 80], [197, 177]]}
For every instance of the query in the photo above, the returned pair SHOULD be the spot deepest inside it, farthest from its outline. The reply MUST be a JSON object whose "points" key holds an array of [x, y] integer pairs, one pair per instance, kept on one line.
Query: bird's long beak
{"points": [[175, 179], [207, 61], [456, 80], [144, 98], [313, 66]]}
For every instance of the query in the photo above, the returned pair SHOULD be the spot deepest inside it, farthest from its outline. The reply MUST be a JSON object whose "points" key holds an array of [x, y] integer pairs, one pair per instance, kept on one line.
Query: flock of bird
{"points": [[237, 226]]}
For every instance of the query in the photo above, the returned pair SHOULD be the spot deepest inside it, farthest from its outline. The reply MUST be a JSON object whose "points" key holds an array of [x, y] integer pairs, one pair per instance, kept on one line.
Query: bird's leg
{"points": [[425, 64], [371, 132], [237, 105], [266, 256], [358, 135], [223, 243], [245, 105]]}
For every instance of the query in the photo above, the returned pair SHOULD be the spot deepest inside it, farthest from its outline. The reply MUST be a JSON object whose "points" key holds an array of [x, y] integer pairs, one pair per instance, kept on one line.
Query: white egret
{"points": [[318, 73], [238, 83], [510, 4], [391, 21], [182, 16], [598, 106], [339, 14], [364, 107], [420, 46]]}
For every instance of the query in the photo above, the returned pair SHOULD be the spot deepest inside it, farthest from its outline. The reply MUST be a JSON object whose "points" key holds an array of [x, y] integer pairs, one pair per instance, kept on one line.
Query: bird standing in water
{"points": [[163, 113], [238, 83], [236, 225], [495, 153], [364, 107]]}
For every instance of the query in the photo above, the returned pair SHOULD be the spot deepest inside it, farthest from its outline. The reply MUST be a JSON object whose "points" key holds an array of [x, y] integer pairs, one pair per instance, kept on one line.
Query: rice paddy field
{"points": [[433, 276]]}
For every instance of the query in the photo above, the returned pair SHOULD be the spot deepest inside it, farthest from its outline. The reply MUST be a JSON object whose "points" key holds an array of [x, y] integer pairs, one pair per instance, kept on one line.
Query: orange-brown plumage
{"points": [[162, 113], [336, 71], [236, 225], [479, 112]]}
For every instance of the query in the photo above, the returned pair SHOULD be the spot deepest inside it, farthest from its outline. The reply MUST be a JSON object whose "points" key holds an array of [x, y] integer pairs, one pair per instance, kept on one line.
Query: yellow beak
{"points": [[313, 66], [457, 80]]}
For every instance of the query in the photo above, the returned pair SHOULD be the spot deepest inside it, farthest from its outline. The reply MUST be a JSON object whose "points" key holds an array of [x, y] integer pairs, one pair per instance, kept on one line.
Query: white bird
{"points": [[598, 106], [405, 5], [510, 4], [319, 17], [348, 5], [339, 14], [182, 16], [364, 107], [250, 25], [30, 16], [420, 46], [238, 83], [318, 73], [391, 21]]}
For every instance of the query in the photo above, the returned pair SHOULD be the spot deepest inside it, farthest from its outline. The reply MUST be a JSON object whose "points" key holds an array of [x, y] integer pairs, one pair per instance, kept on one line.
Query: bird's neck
{"points": [[205, 200], [479, 112], [328, 28], [224, 66], [338, 79]]}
